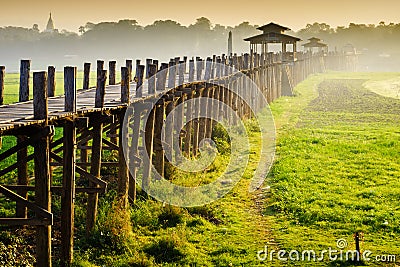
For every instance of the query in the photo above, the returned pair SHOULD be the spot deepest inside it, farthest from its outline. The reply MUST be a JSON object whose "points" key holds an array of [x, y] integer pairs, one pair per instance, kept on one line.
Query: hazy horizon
{"points": [[295, 15]]}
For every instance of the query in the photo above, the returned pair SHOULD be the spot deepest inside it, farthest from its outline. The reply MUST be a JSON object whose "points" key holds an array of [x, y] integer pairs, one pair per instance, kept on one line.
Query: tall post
{"points": [[97, 134], [2, 76], [68, 193], [172, 75], [191, 70], [51, 81], [151, 84], [86, 75], [21, 211], [139, 82], [128, 64], [112, 69], [42, 169], [162, 77], [123, 172], [149, 61], [157, 146], [24, 80]]}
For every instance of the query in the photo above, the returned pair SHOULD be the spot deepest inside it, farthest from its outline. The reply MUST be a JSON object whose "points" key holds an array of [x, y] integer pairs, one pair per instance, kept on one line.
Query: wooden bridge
{"points": [[90, 119]]}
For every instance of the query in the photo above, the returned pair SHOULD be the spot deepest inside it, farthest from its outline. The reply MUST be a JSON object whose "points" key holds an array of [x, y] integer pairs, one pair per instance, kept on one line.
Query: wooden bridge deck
{"points": [[21, 114]]}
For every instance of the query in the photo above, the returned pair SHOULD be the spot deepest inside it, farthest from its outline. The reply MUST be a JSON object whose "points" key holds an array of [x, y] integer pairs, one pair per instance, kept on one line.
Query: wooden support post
{"points": [[207, 75], [2, 77], [21, 211], [151, 84], [181, 70], [134, 152], [155, 62], [97, 134], [214, 60], [203, 113], [112, 69], [196, 121], [178, 121], [68, 192], [199, 69], [172, 75], [157, 145], [128, 64], [125, 85], [123, 172], [86, 75], [24, 80], [148, 145], [149, 61], [169, 129], [139, 82], [42, 169], [189, 124], [137, 66], [162, 77], [191, 70], [51, 81]]}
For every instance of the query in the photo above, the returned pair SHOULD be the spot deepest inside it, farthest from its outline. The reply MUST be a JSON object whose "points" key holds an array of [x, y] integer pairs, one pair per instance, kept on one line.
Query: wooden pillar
{"points": [[21, 211], [24, 80], [162, 77], [209, 91], [196, 121], [134, 152], [125, 85], [2, 77], [123, 172], [86, 75], [189, 123], [157, 146], [151, 84], [112, 69], [128, 64], [178, 121], [95, 166], [148, 146], [181, 70], [42, 169], [148, 62], [199, 69], [169, 128], [191, 70], [172, 75], [139, 82], [68, 193], [51, 81]]}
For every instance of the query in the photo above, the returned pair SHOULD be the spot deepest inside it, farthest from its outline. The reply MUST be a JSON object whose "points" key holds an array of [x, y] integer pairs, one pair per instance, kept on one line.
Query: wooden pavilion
{"points": [[274, 34], [315, 43]]}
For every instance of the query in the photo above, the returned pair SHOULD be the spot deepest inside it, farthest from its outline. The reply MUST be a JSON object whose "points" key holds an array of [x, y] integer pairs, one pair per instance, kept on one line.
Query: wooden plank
{"points": [[134, 152], [148, 145], [42, 169], [189, 124]]}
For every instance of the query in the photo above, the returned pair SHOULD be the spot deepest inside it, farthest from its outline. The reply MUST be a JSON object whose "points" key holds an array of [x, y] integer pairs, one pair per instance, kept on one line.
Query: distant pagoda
{"points": [[50, 25]]}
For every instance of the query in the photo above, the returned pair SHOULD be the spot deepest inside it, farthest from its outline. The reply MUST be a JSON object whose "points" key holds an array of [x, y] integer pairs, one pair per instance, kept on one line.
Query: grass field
{"points": [[337, 172]]}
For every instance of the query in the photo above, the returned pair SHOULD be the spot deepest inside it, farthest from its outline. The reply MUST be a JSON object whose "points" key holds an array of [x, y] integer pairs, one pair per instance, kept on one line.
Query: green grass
{"points": [[337, 170]]}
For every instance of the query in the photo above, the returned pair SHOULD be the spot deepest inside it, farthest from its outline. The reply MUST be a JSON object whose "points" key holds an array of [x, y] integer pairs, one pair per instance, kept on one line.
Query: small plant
{"points": [[170, 216], [166, 249]]}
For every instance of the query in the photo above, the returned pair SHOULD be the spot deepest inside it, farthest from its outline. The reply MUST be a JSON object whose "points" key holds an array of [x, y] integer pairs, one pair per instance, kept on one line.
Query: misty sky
{"points": [[294, 14]]}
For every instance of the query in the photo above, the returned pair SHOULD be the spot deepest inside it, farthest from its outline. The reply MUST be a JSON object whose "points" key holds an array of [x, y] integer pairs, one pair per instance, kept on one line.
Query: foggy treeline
{"points": [[166, 38]]}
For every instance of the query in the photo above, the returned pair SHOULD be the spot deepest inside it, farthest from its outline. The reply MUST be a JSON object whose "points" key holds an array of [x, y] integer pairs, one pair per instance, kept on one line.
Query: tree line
{"points": [[167, 38]]}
